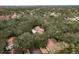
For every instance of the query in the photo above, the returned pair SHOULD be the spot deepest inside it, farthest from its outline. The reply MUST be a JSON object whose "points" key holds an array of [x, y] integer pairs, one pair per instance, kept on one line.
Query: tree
{"points": [[55, 27]]}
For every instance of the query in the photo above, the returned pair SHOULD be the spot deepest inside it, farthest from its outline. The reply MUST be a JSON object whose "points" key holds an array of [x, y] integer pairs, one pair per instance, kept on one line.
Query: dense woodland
{"points": [[59, 23]]}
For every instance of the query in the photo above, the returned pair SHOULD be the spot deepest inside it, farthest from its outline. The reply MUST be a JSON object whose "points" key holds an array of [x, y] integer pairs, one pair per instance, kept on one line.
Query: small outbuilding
{"points": [[38, 30]]}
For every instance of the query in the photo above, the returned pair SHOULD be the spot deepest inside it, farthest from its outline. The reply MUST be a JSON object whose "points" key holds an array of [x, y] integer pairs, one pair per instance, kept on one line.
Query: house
{"points": [[50, 44], [4, 17], [14, 16], [7, 17], [9, 44], [38, 30], [53, 46], [10, 41]]}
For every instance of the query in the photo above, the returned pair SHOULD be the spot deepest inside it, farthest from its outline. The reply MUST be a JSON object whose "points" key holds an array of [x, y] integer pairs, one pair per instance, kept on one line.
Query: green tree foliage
{"points": [[55, 27]]}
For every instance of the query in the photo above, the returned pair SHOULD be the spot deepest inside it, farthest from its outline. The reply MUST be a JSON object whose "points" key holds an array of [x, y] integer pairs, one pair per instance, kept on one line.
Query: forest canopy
{"points": [[59, 23]]}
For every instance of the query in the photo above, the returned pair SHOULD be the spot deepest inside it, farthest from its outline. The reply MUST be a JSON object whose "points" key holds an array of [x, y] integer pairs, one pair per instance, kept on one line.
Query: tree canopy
{"points": [[55, 25]]}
